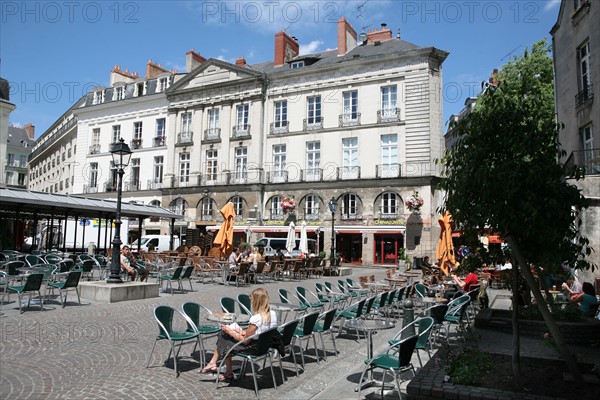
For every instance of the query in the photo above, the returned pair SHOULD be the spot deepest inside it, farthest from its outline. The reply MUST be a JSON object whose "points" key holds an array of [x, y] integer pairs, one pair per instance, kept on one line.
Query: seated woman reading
{"points": [[262, 319]]}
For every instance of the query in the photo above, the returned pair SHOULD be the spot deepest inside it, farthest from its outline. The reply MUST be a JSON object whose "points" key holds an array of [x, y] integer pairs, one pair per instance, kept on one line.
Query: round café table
{"points": [[227, 318]]}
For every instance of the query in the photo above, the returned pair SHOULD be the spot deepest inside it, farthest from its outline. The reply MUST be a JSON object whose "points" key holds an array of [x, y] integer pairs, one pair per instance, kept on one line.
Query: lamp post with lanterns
{"points": [[121, 154], [332, 208]]}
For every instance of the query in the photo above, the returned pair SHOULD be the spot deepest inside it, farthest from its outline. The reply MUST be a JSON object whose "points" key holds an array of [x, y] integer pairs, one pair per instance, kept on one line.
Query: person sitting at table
{"points": [[126, 262], [262, 319], [279, 256], [130, 261], [572, 287], [235, 258], [465, 285], [246, 254], [588, 301]]}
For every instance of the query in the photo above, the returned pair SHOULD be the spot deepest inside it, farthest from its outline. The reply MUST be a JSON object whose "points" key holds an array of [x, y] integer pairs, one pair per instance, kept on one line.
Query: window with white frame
{"points": [[163, 83], [160, 127], [281, 119], [206, 208], [389, 204], [349, 209], [178, 206], [350, 158], [389, 156], [116, 134], [238, 205], [583, 53], [186, 122], [297, 64], [313, 109], [158, 169], [95, 136], [213, 120], [119, 92], [311, 207], [276, 209], [588, 149], [134, 177], [140, 88], [241, 164], [211, 166], [242, 117], [389, 101], [279, 163], [313, 161], [184, 167], [93, 178], [350, 106], [137, 130], [99, 96]]}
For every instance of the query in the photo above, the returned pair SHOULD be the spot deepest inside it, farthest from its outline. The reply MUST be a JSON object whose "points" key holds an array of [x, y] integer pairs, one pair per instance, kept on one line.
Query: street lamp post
{"points": [[121, 154], [332, 208]]}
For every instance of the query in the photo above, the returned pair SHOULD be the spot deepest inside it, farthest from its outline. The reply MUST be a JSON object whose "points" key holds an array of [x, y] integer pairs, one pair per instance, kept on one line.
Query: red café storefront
{"points": [[386, 245]]}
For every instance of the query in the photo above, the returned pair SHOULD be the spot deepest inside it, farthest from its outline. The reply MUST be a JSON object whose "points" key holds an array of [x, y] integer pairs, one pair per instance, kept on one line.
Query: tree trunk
{"points": [[548, 318], [516, 355]]}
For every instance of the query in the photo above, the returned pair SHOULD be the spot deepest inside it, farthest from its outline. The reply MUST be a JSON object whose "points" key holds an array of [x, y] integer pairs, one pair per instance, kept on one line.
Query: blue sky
{"points": [[52, 52]]}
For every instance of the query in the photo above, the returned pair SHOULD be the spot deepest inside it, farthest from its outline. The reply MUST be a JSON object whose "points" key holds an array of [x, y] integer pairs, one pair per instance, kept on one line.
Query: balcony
{"points": [[16, 165], [349, 119], [312, 124], [386, 115], [241, 131], [94, 149], [214, 179], [387, 170], [277, 176], [246, 176], [90, 189], [159, 141], [131, 186], [238, 178], [348, 173], [212, 134], [185, 181], [110, 186], [185, 138], [154, 184], [279, 127], [589, 160], [136, 144], [584, 97], [311, 175]]}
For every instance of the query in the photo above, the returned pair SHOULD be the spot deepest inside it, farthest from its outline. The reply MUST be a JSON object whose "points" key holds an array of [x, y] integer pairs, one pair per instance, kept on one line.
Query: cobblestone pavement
{"points": [[100, 351]]}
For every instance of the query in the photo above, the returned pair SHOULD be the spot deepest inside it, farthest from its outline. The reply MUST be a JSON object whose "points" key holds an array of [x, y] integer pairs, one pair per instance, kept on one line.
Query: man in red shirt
{"points": [[465, 285]]}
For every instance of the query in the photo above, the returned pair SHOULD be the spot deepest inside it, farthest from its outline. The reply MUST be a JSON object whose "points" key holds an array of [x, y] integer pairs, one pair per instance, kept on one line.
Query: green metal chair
{"points": [[396, 360], [351, 312], [172, 277], [164, 316], [305, 296], [33, 283], [424, 326], [323, 326], [187, 274], [71, 282], [196, 314], [306, 332], [287, 337], [286, 297], [228, 306], [456, 312], [263, 352], [245, 304], [32, 260]]}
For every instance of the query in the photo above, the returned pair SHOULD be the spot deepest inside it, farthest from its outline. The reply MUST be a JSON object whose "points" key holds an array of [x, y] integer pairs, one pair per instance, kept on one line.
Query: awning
{"points": [[495, 239], [26, 203]]}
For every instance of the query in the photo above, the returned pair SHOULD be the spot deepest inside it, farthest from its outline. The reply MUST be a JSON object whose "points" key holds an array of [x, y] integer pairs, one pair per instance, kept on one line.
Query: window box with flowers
{"points": [[288, 205], [414, 202]]}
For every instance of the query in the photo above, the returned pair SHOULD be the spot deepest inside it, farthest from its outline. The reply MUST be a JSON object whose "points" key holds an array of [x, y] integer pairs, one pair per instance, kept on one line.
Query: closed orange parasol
{"points": [[445, 248], [224, 238]]}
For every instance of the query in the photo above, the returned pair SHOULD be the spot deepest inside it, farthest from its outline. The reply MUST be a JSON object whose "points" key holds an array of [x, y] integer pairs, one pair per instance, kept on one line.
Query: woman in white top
{"points": [[261, 320]]}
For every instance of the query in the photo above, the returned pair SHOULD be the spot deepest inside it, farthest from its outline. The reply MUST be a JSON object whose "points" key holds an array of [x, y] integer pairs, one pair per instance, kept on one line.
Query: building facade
{"points": [[18, 149], [360, 124], [6, 107], [576, 52]]}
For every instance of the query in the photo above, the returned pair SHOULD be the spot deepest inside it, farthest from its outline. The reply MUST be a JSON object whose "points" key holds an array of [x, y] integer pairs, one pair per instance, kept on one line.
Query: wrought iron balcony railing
{"points": [[277, 176], [279, 127], [94, 149], [584, 96], [388, 115], [311, 175], [387, 170], [311, 124], [159, 141], [154, 184], [136, 144], [185, 137], [349, 119], [212, 134], [348, 172]]}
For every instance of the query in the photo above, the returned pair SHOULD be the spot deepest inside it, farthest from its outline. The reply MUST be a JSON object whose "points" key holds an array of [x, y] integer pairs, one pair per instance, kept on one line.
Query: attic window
{"points": [[297, 64]]}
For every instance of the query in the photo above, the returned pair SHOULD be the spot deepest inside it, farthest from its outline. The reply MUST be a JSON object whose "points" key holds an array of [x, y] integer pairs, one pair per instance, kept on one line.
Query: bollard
{"points": [[408, 316]]}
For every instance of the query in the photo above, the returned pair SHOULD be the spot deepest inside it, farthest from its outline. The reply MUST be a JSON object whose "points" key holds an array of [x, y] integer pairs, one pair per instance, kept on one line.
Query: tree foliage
{"points": [[503, 171]]}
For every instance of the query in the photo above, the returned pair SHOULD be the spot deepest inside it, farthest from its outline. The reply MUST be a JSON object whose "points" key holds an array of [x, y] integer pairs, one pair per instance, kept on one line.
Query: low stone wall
{"points": [[429, 384], [585, 331]]}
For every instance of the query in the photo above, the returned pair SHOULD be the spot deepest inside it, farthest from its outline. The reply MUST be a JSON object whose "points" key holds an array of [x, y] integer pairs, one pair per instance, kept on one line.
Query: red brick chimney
{"points": [[286, 48], [192, 60], [379, 36], [346, 37], [153, 70], [240, 62], [30, 130], [494, 78]]}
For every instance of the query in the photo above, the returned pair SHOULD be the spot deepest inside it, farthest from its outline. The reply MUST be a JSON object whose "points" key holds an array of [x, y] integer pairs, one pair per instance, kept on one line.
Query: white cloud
{"points": [[16, 125], [310, 47], [551, 4], [172, 65]]}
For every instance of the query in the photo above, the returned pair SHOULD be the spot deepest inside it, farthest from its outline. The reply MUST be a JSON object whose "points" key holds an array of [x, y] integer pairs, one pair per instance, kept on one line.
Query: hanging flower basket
{"points": [[288, 204], [414, 202]]}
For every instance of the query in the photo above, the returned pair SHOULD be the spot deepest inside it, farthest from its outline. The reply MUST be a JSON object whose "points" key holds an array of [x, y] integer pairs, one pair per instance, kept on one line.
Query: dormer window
{"points": [[119, 92], [163, 84], [99, 96], [140, 89], [297, 64]]}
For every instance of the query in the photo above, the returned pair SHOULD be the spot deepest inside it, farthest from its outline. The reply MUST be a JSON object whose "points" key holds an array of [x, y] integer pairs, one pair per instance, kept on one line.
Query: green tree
{"points": [[503, 174]]}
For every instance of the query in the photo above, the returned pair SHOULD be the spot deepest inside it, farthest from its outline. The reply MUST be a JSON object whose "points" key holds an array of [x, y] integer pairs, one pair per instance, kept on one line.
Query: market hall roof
{"points": [[26, 202]]}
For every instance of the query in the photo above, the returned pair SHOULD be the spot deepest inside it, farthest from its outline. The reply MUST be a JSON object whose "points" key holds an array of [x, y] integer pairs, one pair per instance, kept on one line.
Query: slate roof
{"points": [[16, 136]]}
